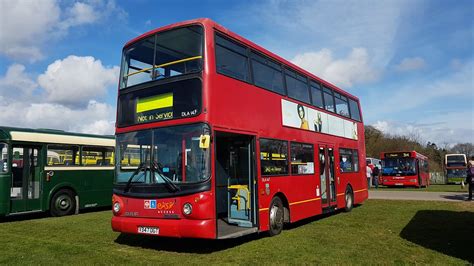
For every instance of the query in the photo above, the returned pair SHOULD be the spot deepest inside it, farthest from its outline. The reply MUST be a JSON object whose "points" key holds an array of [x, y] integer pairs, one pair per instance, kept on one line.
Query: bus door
{"points": [[26, 177], [235, 184], [327, 171]]}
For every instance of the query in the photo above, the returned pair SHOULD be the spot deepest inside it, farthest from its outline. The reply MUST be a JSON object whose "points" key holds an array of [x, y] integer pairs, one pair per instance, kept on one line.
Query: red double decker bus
{"points": [[218, 138], [408, 168]]}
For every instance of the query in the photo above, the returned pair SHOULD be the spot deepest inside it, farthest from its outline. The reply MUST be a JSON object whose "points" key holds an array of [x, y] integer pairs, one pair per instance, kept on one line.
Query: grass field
{"points": [[431, 188], [382, 232]]}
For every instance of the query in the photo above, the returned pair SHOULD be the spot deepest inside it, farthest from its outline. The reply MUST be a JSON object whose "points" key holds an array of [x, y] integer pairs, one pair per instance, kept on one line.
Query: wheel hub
{"points": [[276, 217]]}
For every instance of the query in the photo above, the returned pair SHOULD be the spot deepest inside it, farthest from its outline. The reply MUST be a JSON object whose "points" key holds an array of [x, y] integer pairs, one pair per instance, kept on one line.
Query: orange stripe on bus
{"points": [[303, 201]]}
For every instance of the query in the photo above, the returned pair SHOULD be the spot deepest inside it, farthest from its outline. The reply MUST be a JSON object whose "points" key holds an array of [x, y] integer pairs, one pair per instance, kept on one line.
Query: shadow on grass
{"points": [[315, 218], [455, 197], [184, 245], [204, 246], [40, 215], [448, 232]]}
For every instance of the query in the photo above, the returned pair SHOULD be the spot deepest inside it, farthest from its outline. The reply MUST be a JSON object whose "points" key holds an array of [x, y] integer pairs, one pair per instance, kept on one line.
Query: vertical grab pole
{"points": [[183, 159]]}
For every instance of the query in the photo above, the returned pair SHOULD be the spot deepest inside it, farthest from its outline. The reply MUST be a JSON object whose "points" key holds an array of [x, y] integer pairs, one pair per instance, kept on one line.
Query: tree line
{"points": [[377, 142]]}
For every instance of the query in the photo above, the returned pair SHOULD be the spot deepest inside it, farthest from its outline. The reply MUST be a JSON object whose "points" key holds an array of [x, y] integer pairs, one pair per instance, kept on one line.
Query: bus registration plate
{"points": [[398, 184], [148, 230]]}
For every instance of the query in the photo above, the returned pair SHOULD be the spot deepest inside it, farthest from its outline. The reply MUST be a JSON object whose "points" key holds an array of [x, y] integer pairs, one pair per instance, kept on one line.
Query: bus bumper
{"points": [[401, 183], [180, 228]]}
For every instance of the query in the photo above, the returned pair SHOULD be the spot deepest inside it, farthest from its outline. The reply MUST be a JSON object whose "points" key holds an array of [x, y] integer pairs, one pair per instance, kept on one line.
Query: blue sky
{"points": [[409, 62]]}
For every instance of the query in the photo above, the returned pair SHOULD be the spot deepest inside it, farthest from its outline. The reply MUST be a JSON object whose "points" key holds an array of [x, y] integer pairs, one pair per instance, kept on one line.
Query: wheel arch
{"points": [[58, 187], [286, 206]]}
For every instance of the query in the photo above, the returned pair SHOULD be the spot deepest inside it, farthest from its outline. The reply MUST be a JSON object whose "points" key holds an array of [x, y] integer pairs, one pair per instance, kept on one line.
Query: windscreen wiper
{"points": [[169, 183], [140, 168]]}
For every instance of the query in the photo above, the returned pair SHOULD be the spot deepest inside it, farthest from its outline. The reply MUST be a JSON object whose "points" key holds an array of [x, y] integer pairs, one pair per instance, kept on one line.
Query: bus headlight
{"points": [[116, 207], [187, 208]]}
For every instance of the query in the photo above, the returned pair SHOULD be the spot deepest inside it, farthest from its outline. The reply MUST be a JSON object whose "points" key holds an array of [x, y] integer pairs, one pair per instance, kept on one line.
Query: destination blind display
{"points": [[397, 155], [154, 108], [161, 102]]}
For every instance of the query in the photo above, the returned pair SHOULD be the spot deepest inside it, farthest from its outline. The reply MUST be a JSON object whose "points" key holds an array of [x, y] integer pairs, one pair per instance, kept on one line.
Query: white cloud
{"points": [[80, 13], [342, 24], [65, 96], [412, 63], [25, 26], [96, 118], [345, 72], [75, 80], [443, 129], [16, 82]]}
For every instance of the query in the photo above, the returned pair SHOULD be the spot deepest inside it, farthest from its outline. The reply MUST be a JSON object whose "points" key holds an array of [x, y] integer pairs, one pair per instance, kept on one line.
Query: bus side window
{"points": [[66, 155]]}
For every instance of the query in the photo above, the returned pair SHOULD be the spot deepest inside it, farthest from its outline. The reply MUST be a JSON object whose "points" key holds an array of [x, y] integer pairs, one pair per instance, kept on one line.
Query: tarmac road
{"points": [[418, 195]]}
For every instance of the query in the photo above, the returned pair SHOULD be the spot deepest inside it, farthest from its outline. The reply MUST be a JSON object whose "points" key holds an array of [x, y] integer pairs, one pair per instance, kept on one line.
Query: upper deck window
{"points": [[267, 74], [354, 106], [316, 94], [328, 99], [297, 86], [162, 55], [231, 59], [341, 104]]}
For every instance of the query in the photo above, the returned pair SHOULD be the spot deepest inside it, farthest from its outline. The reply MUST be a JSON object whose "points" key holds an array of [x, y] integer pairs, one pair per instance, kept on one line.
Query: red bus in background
{"points": [[407, 168], [455, 167], [218, 138]]}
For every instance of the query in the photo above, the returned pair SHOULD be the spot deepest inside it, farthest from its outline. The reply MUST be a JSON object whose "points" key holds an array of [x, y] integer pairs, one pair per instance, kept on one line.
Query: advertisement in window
{"points": [[299, 116]]}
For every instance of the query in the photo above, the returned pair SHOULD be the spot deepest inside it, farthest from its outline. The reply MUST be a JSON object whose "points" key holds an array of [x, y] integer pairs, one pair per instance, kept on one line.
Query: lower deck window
{"points": [[348, 160], [302, 159], [273, 157]]}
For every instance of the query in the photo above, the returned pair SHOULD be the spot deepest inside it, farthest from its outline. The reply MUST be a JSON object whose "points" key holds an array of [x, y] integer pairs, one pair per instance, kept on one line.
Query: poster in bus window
{"points": [[307, 168], [336, 126], [299, 116]]}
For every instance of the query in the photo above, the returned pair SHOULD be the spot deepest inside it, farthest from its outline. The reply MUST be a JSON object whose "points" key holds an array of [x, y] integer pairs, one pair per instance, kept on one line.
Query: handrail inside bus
{"points": [[165, 64]]}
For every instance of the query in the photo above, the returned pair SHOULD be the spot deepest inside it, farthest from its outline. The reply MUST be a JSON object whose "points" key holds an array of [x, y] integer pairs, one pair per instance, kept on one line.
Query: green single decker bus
{"points": [[55, 171]]}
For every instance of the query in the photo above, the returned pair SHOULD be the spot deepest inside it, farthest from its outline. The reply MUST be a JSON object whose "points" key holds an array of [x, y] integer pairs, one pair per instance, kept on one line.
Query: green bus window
{"points": [[97, 156], [4, 157], [63, 155]]}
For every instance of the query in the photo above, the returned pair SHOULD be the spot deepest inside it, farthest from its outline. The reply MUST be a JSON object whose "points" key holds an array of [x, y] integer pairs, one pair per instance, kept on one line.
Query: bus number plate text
{"points": [[148, 230]]}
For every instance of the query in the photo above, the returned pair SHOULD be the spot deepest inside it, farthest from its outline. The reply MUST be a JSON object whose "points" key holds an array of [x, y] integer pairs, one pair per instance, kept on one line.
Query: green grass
{"points": [[382, 232], [431, 188]]}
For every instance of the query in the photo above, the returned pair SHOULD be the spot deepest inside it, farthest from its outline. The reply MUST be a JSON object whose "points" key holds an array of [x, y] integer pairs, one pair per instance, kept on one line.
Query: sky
{"points": [[411, 63]]}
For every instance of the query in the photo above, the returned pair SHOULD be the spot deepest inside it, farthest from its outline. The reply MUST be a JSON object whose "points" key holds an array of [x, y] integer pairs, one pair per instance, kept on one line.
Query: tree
{"points": [[463, 148]]}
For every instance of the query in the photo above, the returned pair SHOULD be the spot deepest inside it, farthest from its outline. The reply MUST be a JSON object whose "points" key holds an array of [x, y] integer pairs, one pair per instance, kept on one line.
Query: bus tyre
{"points": [[349, 200], [276, 214], [63, 203]]}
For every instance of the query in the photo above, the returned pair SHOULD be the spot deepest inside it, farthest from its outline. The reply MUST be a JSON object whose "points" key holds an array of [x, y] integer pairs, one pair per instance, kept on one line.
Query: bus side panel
{"points": [[93, 187], [5, 184], [96, 189]]}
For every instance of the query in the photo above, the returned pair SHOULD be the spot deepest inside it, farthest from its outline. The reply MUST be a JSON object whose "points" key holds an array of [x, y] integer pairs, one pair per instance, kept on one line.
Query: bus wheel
{"points": [[63, 203], [349, 199], [276, 216]]}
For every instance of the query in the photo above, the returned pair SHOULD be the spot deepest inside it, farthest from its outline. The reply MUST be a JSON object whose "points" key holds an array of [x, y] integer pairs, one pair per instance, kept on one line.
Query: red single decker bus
{"points": [[408, 168], [219, 138]]}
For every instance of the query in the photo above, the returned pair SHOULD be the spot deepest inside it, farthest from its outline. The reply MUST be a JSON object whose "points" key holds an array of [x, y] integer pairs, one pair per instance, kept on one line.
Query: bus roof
{"points": [[54, 136], [208, 23]]}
